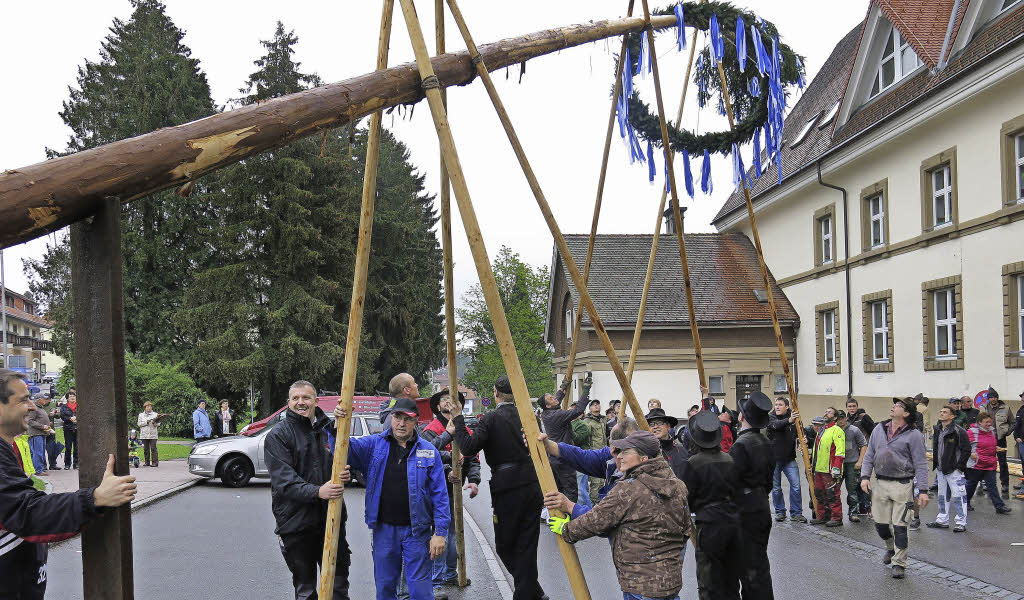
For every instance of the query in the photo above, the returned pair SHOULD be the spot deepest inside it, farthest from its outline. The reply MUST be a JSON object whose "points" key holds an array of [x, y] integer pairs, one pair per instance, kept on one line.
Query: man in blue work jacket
{"points": [[406, 502]]}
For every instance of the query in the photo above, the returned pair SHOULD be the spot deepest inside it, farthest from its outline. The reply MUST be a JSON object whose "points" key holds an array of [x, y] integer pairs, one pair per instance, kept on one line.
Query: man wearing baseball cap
{"points": [[895, 456]]}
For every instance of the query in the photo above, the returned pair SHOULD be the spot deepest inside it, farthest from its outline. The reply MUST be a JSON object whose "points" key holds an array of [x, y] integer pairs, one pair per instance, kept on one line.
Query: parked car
{"points": [[236, 459]]}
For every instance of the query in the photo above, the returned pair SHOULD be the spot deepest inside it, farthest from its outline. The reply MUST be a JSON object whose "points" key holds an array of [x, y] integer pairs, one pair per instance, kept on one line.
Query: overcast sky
{"points": [[560, 109]]}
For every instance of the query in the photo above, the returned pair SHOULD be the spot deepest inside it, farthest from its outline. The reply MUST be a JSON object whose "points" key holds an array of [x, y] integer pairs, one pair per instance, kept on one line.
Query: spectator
{"points": [[30, 515], [725, 418], [299, 458], [922, 413], [53, 447], [856, 446], [782, 436], [597, 438], [406, 500], [201, 428], [983, 462], [827, 462], [653, 403], [968, 415], [661, 426], [951, 449], [224, 421], [707, 401], [895, 457], [148, 423], [612, 415], [69, 419], [683, 433], [646, 515], [857, 416], [558, 425], [1003, 422], [38, 428], [1018, 436]]}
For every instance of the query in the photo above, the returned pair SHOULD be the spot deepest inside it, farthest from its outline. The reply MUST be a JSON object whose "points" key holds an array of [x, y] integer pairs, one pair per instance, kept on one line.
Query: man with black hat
{"points": [[662, 426], [515, 491], [558, 426], [1003, 422], [711, 482], [895, 456], [754, 464]]}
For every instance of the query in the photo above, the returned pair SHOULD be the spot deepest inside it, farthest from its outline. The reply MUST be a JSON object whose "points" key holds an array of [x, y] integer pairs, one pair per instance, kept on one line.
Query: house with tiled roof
{"points": [[739, 346], [896, 232], [27, 335]]}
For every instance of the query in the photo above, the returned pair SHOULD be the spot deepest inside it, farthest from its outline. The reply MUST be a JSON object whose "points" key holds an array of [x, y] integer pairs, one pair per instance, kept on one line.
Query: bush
{"points": [[169, 388]]}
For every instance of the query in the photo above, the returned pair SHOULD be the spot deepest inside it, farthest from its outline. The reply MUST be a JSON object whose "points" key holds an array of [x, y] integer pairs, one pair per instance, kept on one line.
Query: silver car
{"points": [[236, 459]]}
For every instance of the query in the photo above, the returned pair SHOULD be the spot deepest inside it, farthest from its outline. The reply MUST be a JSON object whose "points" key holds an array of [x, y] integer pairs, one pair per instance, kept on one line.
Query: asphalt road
{"points": [[218, 542]]}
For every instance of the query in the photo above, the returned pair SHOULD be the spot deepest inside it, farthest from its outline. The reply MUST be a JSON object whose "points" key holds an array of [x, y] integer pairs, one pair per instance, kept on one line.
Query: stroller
{"points": [[134, 445]]}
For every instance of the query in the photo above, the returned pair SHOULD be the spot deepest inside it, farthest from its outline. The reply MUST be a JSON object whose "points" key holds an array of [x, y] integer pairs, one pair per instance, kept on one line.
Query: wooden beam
{"points": [[329, 558], [490, 289], [44, 197], [98, 307]]}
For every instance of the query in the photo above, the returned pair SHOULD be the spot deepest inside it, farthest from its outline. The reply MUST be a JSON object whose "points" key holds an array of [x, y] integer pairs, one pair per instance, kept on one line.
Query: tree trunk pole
{"points": [[617, 89], [343, 425], [771, 305], [542, 203], [449, 321], [657, 232], [487, 283]]}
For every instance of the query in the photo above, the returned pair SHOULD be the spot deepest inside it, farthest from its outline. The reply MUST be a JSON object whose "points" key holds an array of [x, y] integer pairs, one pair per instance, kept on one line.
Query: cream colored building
{"points": [[910, 276], [28, 344]]}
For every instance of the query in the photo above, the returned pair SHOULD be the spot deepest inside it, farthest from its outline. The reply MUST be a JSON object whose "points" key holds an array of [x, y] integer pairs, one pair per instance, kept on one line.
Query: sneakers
{"points": [[1004, 510], [780, 517], [937, 525], [959, 529], [887, 559], [834, 523], [898, 572], [914, 524], [817, 521], [798, 518]]}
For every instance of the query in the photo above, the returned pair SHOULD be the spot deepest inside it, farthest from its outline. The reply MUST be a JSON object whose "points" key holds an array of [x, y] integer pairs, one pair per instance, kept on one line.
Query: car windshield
{"points": [[374, 425]]}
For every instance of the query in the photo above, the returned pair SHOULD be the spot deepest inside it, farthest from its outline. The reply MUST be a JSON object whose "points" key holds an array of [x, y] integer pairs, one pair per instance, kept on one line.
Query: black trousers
{"points": [[565, 479], [718, 544], [756, 574], [516, 533], [1004, 467], [70, 448], [303, 552]]}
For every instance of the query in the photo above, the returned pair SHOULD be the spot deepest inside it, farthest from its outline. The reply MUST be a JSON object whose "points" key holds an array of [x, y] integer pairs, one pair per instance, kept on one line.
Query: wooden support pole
{"points": [[449, 322], [616, 90], [771, 305], [549, 218], [98, 305], [676, 211], [328, 565], [538, 454]]}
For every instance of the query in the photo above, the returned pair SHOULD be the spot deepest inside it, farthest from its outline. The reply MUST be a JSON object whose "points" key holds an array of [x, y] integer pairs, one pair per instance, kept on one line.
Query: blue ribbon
{"points": [[754, 87], [668, 183], [741, 43], [757, 152], [800, 70], [643, 62], [687, 175], [717, 46], [650, 162], [680, 27], [705, 174], [760, 51]]}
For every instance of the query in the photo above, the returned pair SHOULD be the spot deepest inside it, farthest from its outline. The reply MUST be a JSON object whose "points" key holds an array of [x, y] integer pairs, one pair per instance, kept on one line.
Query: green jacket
{"points": [[597, 436], [829, 449]]}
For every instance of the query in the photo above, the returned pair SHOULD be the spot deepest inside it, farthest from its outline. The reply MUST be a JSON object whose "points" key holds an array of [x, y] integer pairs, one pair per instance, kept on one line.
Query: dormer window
{"points": [[898, 60]]}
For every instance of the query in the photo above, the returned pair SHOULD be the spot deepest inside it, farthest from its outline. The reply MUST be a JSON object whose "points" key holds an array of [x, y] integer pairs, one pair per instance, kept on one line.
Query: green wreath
{"points": [[750, 112]]}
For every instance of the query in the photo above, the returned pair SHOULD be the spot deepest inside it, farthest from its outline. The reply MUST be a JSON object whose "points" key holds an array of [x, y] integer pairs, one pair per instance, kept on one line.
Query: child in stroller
{"points": [[134, 445]]}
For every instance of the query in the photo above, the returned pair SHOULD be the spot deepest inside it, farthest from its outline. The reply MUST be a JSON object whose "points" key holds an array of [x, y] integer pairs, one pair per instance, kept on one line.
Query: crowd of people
{"points": [[39, 442]]}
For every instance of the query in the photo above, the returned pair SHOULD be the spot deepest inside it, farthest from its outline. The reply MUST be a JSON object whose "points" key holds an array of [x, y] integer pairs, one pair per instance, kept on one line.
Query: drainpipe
{"points": [[949, 33], [846, 261]]}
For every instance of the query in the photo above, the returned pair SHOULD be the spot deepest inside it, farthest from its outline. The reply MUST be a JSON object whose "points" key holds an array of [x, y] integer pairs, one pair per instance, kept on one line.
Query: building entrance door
{"points": [[746, 384]]}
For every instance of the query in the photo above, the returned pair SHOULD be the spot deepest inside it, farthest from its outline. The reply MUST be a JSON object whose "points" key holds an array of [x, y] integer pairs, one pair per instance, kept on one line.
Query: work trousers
{"points": [[303, 552], [53, 450], [975, 476], [718, 543], [952, 493], [826, 490], [851, 476], [516, 533], [596, 483], [37, 447], [583, 489], [150, 451], [565, 479], [395, 547], [756, 574], [70, 448], [792, 473], [1004, 467], [446, 566], [892, 504]]}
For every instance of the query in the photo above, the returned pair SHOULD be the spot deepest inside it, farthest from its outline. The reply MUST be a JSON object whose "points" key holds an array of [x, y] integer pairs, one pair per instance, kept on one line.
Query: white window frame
{"points": [[899, 46], [781, 387], [1020, 314], [570, 321], [943, 194], [880, 330], [945, 328], [828, 336], [827, 249], [1018, 166], [720, 380], [876, 217]]}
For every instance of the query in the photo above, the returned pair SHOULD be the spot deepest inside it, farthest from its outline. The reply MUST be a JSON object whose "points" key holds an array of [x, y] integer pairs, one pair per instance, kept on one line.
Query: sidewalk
{"points": [[171, 476]]}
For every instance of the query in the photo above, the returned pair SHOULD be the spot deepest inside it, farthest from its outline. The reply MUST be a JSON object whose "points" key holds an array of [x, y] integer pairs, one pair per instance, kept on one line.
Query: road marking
{"points": [[492, 561]]}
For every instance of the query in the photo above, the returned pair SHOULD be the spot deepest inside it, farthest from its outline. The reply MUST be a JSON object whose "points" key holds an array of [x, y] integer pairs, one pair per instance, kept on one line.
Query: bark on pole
{"points": [[329, 559], [771, 305], [487, 283], [616, 90], [44, 197], [449, 321]]}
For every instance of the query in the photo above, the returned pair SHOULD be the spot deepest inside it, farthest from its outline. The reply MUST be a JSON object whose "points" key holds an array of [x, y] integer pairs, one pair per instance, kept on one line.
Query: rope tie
{"points": [[431, 82], [477, 59]]}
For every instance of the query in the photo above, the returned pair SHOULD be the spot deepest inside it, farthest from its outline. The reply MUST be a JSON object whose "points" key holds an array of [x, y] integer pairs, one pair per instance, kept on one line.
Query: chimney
{"points": [[670, 222]]}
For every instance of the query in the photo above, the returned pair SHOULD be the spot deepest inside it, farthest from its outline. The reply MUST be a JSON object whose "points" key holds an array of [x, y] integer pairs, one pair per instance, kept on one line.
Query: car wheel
{"points": [[236, 472]]}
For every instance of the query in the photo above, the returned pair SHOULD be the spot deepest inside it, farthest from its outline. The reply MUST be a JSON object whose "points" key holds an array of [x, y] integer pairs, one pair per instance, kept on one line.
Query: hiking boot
{"points": [[803, 519], [887, 559], [1004, 510], [854, 518], [937, 525], [914, 524], [834, 523], [898, 572], [1006, 493], [959, 529], [817, 521], [780, 517], [970, 508]]}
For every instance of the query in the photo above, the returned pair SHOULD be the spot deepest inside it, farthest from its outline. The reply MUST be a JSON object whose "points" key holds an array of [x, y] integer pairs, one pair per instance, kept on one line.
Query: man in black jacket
{"points": [[662, 426], [515, 491], [558, 426], [299, 458], [950, 450], [29, 518], [753, 461], [782, 436]]}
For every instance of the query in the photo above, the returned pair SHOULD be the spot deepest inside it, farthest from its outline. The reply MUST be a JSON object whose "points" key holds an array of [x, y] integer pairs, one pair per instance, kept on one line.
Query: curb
{"points": [[165, 494]]}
